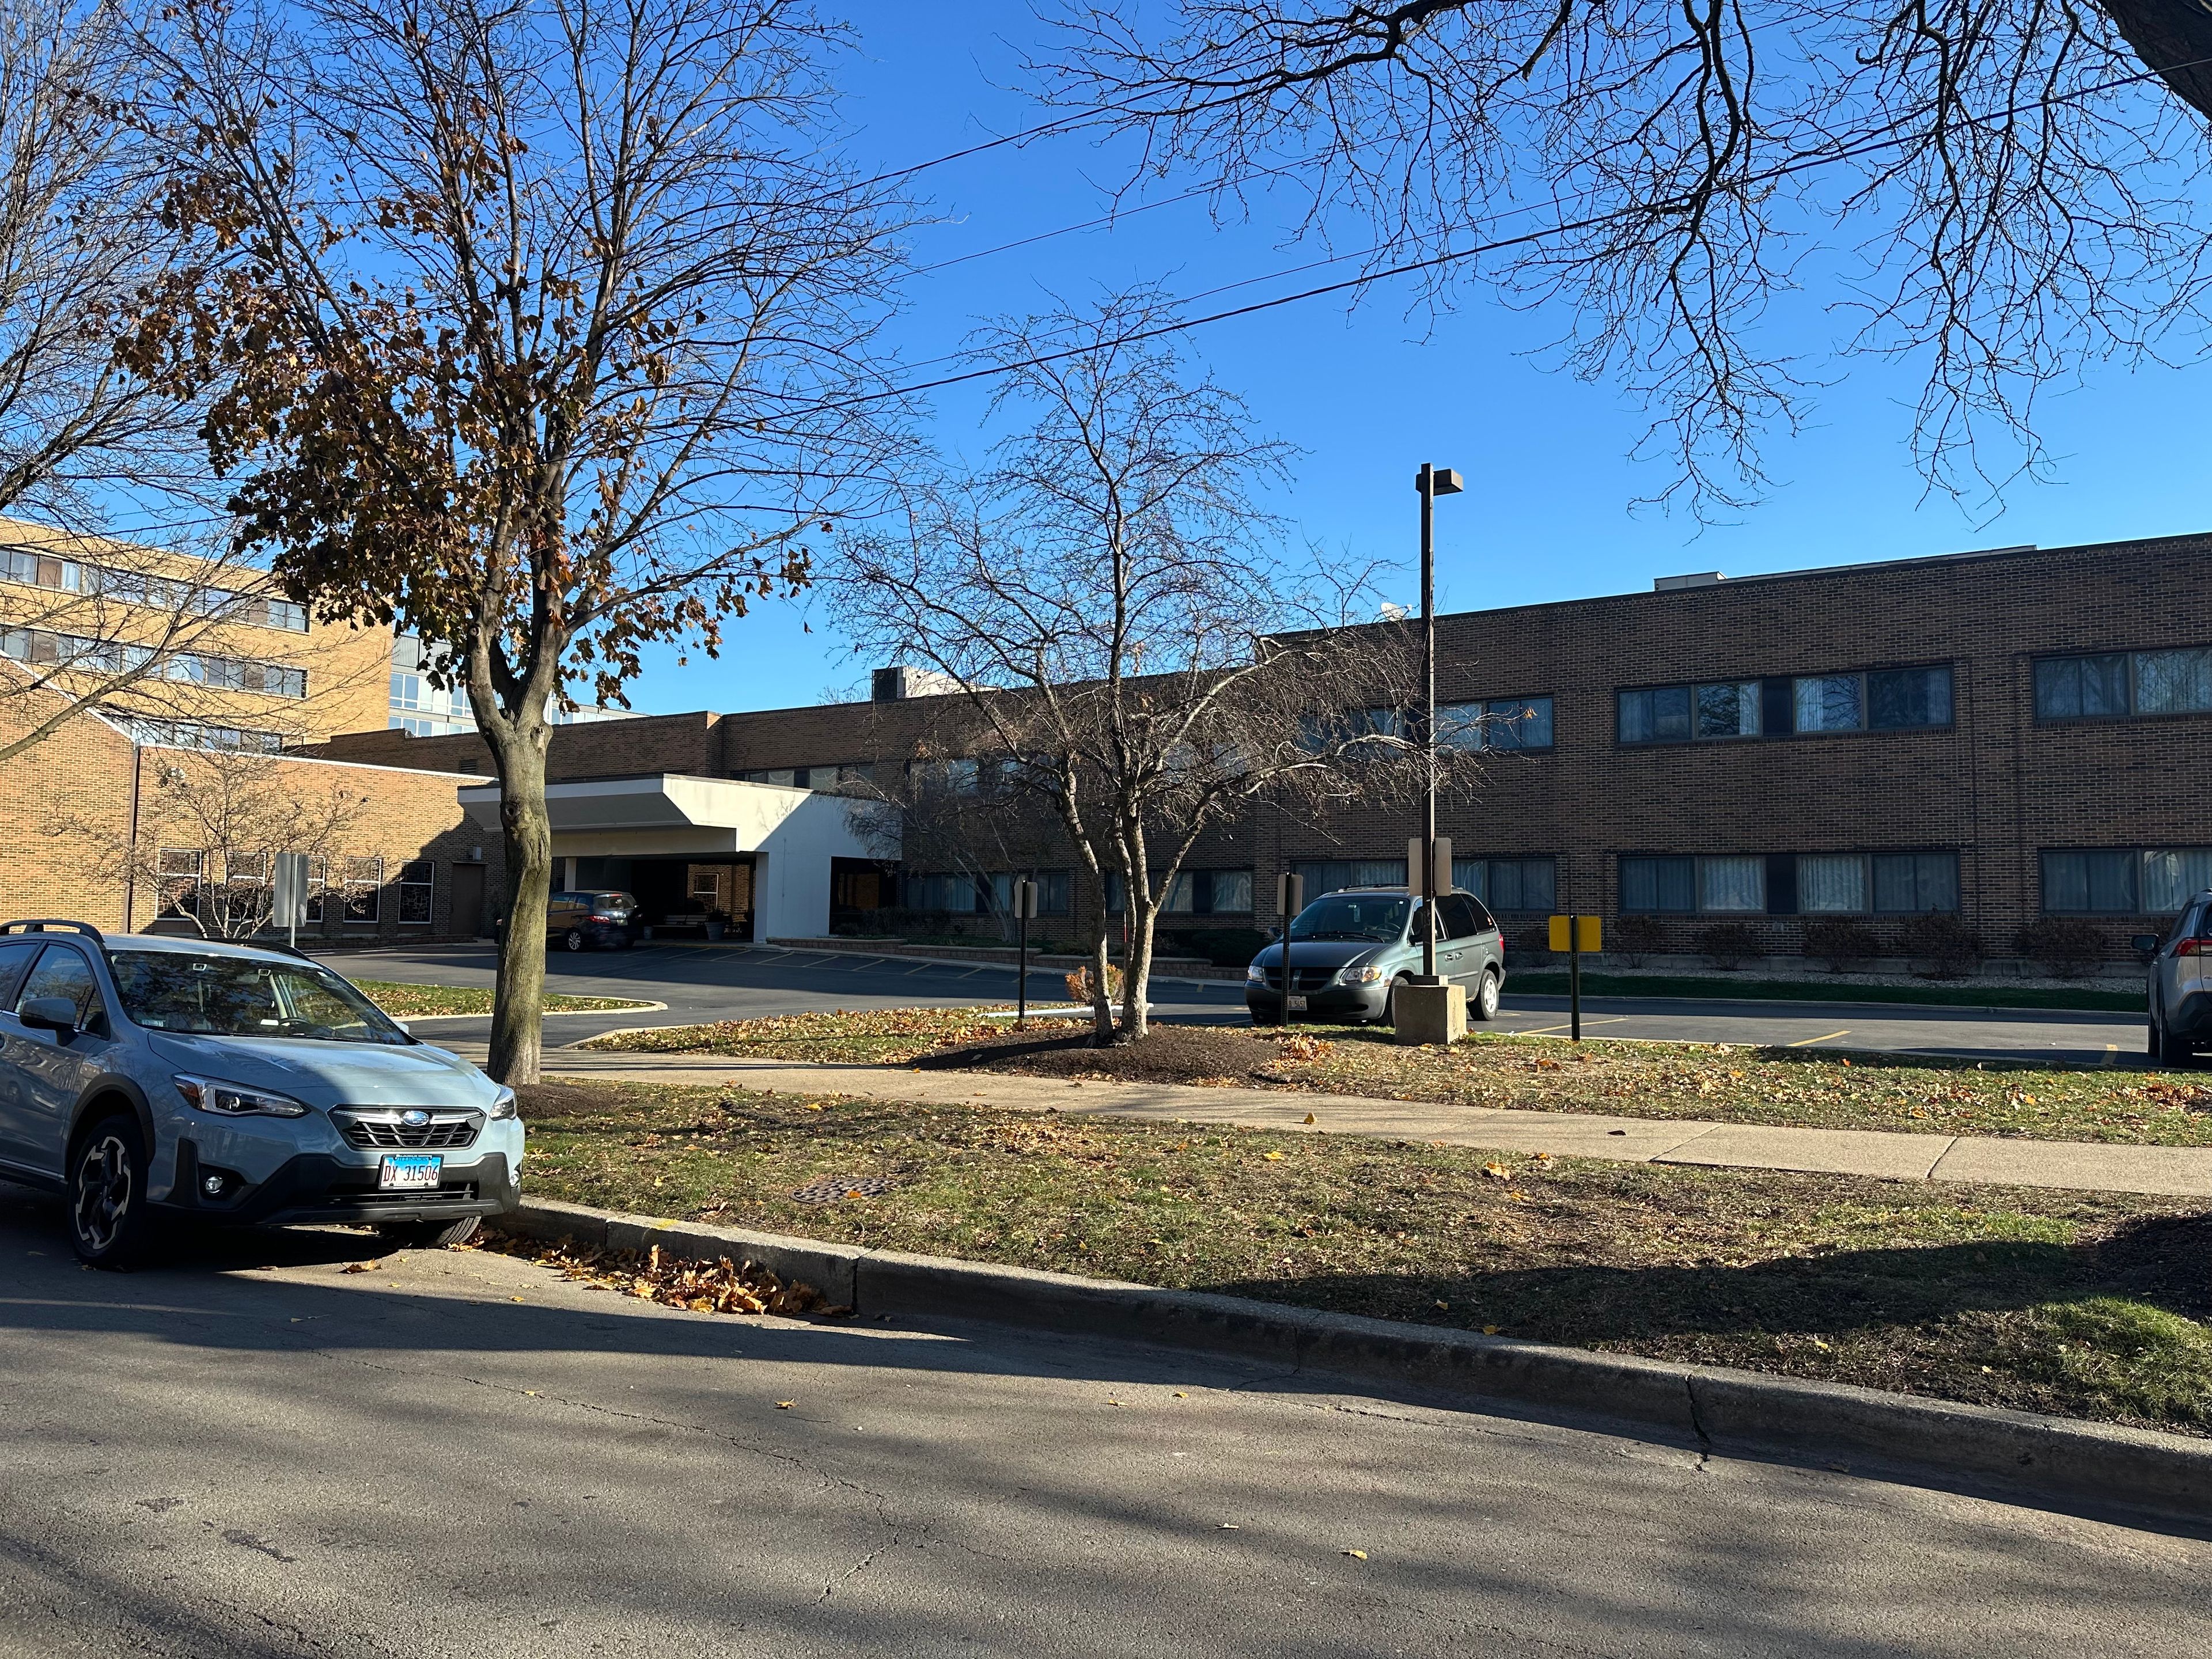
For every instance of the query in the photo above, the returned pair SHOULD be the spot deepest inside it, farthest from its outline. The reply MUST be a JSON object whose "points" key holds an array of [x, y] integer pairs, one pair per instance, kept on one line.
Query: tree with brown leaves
{"points": [[534, 330]]}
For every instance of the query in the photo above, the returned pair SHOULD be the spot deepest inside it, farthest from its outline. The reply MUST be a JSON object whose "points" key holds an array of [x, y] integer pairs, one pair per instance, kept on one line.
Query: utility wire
{"points": [[1453, 256]]}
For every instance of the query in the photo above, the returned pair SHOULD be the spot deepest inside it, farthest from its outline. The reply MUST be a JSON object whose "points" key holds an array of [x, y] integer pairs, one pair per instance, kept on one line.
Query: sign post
{"points": [[1574, 935], [1290, 899], [1429, 872], [1025, 906], [288, 905]]}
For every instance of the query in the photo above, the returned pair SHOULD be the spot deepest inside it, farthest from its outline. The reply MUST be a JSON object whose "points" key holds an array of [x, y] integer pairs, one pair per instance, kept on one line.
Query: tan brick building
{"points": [[2003, 736]]}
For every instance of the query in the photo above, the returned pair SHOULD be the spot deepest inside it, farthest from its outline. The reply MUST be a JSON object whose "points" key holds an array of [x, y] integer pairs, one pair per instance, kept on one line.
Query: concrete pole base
{"points": [[1430, 1013]]}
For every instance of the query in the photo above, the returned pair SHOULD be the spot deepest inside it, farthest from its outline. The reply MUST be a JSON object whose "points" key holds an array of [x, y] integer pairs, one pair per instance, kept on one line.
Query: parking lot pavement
{"points": [[745, 982], [247, 1451]]}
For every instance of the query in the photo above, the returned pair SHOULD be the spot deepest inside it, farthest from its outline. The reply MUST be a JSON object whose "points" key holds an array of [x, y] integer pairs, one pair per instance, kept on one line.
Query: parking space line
{"points": [[2111, 1055], [1807, 1042], [1568, 1025]]}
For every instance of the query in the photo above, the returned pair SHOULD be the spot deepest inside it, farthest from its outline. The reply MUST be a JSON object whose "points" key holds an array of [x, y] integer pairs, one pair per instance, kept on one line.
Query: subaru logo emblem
{"points": [[415, 1119]]}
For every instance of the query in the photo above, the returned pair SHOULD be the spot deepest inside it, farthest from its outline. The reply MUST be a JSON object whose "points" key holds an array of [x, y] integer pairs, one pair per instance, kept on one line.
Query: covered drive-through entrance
{"points": [[766, 856]]}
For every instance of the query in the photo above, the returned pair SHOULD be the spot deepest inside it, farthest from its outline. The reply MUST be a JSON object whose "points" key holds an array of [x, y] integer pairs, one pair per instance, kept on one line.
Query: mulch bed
{"points": [[1167, 1054]]}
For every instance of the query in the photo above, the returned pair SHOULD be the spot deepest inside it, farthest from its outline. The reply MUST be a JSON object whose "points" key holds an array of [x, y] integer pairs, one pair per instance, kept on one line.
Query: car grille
{"points": [[459, 1192], [1301, 979], [380, 1130]]}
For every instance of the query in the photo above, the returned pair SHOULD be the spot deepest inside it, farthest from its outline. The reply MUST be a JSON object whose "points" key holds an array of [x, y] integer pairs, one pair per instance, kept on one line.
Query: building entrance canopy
{"points": [[791, 834]]}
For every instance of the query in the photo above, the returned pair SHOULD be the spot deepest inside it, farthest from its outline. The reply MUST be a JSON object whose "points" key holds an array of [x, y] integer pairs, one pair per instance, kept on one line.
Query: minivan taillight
{"points": [[2194, 947]]}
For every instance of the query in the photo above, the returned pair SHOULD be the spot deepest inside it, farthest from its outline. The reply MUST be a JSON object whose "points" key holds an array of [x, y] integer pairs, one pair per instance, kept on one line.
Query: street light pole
{"points": [[1432, 482]]}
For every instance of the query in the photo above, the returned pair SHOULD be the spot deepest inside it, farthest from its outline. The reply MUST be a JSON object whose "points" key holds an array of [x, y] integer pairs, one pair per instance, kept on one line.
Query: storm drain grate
{"points": [[830, 1191]]}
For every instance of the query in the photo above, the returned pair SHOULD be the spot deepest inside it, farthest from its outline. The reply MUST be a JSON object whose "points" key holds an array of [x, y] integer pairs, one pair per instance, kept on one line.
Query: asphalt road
{"points": [[248, 1452], [743, 982]]}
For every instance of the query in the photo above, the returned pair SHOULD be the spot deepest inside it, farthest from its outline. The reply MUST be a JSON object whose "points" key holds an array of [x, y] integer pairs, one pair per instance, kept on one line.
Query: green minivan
{"points": [[1351, 948]]}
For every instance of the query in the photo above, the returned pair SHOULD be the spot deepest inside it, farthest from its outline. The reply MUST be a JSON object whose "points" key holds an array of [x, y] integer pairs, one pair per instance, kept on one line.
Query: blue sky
{"points": [[1368, 394]]}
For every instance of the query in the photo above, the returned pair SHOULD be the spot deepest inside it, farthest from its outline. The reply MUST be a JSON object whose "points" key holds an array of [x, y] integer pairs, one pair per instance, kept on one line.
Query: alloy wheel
{"points": [[104, 1192]]}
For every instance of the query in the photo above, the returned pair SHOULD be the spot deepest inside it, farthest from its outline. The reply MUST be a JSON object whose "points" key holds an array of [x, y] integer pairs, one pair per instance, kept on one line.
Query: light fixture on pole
{"points": [[1432, 482]]}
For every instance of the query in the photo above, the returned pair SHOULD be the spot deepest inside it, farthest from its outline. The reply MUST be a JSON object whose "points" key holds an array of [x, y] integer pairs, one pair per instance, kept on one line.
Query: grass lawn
{"points": [[413, 1001], [2084, 1305], [1734, 1084], [1553, 982]]}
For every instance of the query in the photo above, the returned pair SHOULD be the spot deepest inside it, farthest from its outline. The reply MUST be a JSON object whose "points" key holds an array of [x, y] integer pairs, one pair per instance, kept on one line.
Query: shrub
{"points": [[1080, 988], [1635, 938], [2064, 946], [1945, 943], [1842, 943], [1729, 945]]}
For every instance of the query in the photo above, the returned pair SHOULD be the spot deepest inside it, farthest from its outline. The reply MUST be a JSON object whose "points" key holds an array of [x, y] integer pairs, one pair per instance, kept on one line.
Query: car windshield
{"points": [[216, 995], [1377, 916]]}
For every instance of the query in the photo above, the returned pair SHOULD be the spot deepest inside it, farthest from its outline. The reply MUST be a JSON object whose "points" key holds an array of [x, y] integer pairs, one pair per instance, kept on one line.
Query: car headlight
{"points": [[1367, 975], [205, 1094], [502, 1103], [1255, 974]]}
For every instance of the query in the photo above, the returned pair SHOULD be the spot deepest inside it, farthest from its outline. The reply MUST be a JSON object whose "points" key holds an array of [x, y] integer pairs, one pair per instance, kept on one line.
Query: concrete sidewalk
{"points": [[2180, 1171]]}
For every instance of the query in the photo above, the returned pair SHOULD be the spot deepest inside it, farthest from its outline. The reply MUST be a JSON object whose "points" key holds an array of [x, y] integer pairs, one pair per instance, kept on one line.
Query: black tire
{"points": [[1483, 1004], [2166, 1048], [1391, 1002], [109, 1214], [573, 939], [427, 1235]]}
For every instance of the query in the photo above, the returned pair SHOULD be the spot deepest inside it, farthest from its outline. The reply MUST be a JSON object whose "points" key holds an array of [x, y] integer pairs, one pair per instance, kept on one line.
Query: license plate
{"points": [[1297, 1003], [403, 1170]]}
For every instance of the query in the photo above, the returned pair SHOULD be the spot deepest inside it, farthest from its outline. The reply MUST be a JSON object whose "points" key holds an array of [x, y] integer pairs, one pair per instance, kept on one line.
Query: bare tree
{"points": [[942, 810], [208, 832], [2003, 190], [1112, 603], [538, 324]]}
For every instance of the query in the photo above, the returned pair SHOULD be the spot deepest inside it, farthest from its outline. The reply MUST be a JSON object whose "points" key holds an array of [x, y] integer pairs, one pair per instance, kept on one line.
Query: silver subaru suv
{"points": [[147, 1076]]}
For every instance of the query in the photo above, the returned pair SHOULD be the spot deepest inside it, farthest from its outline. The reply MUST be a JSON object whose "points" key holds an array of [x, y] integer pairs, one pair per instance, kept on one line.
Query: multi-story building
{"points": [[423, 708], [135, 672], [2001, 736]]}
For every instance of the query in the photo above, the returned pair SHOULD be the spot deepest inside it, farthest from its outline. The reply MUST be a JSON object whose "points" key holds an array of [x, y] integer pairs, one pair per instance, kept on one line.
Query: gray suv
{"points": [[145, 1077], [1351, 948], [2180, 983]]}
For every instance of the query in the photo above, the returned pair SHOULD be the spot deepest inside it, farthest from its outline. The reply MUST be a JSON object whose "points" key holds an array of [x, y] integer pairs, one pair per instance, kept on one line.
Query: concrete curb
{"points": [[1723, 1410]]}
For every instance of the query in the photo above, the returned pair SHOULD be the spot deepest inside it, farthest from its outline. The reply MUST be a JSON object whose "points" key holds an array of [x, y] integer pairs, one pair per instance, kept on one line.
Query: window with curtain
{"points": [[1909, 882], [1828, 703], [2173, 682], [2092, 882], [1732, 886], [1327, 875], [1662, 886], [955, 892], [1658, 715], [2174, 875], [1831, 883], [2082, 688]]}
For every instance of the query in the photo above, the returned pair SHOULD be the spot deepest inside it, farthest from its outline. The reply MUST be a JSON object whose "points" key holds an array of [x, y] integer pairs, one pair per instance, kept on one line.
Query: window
{"points": [[319, 878], [1732, 886], [181, 871], [1508, 883], [1662, 886], [1504, 724], [1210, 893], [364, 890], [417, 889], [1828, 703], [1052, 887], [1659, 716], [1900, 697], [1327, 875], [62, 972], [956, 893], [1730, 710], [1832, 884], [2098, 881], [2114, 684], [1909, 882]]}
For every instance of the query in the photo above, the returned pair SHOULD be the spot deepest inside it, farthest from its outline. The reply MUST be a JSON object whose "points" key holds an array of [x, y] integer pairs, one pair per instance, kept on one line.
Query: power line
{"points": [[1453, 256]]}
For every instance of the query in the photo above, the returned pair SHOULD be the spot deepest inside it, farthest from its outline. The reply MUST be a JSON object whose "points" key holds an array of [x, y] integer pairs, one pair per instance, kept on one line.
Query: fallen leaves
{"points": [[721, 1287], [785, 1405], [361, 1267], [1272, 1157], [1496, 1171], [1357, 1555]]}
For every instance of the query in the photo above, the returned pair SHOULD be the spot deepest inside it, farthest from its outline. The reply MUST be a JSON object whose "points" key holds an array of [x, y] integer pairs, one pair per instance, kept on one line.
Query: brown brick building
{"points": [[2003, 736]]}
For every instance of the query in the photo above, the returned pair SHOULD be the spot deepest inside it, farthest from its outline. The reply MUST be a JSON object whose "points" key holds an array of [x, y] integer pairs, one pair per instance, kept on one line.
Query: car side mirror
{"points": [[2145, 943], [55, 1014]]}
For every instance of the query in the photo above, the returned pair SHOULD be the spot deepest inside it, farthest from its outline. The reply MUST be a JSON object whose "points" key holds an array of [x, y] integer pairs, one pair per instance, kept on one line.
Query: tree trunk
{"points": [[1137, 971], [526, 834], [1102, 1002]]}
